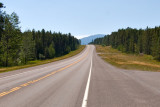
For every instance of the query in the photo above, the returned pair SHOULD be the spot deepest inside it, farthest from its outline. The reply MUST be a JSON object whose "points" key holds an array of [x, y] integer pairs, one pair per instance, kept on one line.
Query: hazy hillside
{"points": [[86, 40]]}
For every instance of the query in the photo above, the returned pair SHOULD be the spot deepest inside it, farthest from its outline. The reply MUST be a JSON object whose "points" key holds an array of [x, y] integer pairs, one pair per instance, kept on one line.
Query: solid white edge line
{"points": [[85, 98]]}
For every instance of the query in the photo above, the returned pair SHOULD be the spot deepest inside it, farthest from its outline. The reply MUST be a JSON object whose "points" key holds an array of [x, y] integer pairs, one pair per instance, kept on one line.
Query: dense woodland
{"points": [[146, 41], [17, 47]]}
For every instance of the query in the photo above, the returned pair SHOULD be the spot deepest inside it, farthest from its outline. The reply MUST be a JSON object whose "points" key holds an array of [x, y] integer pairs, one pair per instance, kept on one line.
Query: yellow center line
{"points": [[34, 81]]}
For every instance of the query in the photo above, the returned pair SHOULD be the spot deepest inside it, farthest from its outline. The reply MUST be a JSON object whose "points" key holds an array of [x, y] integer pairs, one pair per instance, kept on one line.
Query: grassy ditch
{"points": [[40, 62], [128, 61]]}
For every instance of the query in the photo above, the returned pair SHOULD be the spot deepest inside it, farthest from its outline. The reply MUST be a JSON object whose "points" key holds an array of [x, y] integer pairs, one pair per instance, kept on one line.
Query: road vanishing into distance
{"points": [[84, 80]]}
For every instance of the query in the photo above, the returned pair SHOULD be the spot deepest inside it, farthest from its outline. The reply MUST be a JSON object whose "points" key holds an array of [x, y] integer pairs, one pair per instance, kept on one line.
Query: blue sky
{"points": [[85, 17]]}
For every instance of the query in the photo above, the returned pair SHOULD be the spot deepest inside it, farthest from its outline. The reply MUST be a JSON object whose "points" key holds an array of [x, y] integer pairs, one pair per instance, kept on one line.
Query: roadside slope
{"points": [[128, 61], [40, 62]]}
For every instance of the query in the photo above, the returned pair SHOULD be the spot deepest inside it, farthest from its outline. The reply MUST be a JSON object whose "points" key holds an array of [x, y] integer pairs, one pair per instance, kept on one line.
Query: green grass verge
{"points": [[40, 62], [128, 61]]}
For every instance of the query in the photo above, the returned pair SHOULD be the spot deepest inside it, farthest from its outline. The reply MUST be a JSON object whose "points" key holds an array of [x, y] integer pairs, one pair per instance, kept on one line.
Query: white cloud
{"points": [[81, 36]]}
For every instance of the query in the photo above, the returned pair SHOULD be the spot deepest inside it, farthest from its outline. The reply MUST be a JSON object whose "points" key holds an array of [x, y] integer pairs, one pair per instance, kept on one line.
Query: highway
{"points": [[84, 80]]}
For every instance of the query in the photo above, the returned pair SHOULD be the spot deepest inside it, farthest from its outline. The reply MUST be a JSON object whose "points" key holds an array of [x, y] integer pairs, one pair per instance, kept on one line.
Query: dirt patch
{"points": [[2, 69]]}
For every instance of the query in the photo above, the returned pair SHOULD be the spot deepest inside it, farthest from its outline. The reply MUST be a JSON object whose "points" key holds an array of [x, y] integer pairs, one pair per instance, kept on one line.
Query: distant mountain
{"points": [[86, 40]]}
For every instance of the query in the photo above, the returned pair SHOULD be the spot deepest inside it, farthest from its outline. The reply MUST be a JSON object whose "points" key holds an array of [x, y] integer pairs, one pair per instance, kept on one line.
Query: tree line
{"points": [[17, 47], [130, 40]]}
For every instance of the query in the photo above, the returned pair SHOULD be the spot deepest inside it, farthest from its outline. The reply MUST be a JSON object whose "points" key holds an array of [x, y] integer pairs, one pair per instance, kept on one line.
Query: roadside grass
{"points": [[128, 61], [40, 62]]}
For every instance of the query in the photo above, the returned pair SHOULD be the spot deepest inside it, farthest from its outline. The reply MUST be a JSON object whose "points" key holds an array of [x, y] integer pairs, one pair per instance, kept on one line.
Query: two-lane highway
{"points": [[79, 81], [58, 84]]}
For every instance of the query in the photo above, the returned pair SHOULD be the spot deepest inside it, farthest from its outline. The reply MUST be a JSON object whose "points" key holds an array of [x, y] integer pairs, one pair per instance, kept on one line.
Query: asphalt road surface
{"points": [[84, 80]]}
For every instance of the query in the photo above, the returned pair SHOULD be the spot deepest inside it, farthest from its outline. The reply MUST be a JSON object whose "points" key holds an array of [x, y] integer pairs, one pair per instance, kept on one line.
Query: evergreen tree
{"points": [[51, 50], [19, 48], [134, 41], [28, 47], [10, 40]]}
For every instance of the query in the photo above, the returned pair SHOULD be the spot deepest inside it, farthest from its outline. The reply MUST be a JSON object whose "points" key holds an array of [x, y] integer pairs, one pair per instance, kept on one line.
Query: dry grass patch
{"points": [[128, 61]]}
